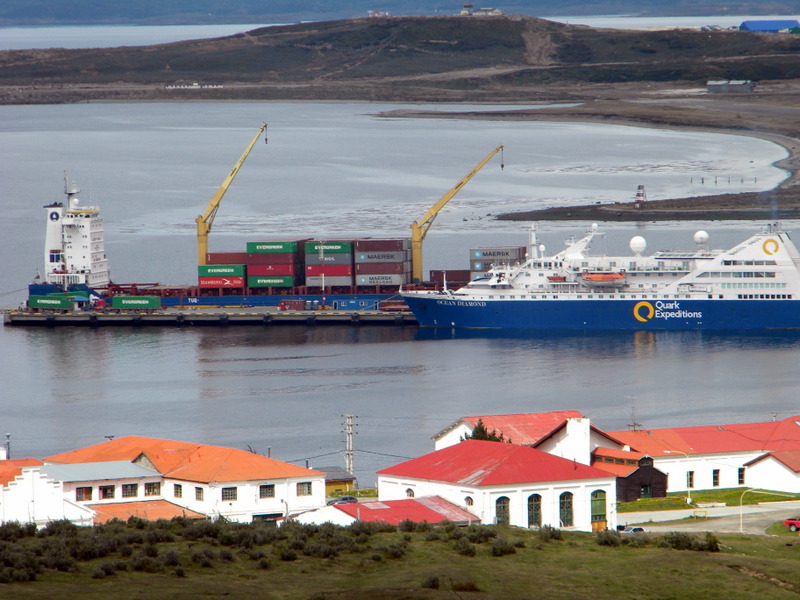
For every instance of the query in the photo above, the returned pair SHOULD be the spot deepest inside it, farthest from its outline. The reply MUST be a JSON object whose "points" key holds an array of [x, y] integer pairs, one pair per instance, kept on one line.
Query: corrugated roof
{"points": [[151, 510], [481, 463], [770, 436], [11, 468], [789, 458], [187, 461], [97, 471], [520, 428], [432, 509]]}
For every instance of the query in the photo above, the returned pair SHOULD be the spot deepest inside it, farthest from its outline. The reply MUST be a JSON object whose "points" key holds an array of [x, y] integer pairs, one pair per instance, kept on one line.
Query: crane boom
{"points": [[206, 220], [420, 228]]}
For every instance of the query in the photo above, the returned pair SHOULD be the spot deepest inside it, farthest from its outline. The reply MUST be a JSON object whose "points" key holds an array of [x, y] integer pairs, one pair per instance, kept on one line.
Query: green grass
{"points": [[730, 496], [369, 562]]}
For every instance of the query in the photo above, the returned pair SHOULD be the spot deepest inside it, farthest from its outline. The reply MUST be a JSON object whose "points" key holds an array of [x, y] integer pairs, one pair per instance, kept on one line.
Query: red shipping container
{"points": [[221, 282], [329, 270], [381, 245], [381, 268], [460, 275], [277, 258], [226, 258], [257, 270]]}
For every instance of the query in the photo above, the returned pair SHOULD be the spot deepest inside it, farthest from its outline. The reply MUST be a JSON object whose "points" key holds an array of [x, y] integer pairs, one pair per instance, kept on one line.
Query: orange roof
{"points": [[187, 461], [151, 510], [620, 470], [520, 428], [788, 458], [769, 436], [10, 468]]}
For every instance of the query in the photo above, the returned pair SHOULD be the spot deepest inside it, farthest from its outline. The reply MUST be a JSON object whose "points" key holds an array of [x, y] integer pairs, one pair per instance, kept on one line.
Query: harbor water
{"points": [[337, 171]]}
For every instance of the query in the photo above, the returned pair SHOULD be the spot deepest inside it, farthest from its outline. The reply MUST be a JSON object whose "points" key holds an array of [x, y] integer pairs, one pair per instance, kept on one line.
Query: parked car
{"points": [[793, 524], [343, 500], [632, 530]]}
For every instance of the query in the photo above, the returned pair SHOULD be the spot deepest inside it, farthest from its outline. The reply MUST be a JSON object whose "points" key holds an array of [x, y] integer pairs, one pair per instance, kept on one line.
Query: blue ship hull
{"points": [[337, 301], [615, 315]]}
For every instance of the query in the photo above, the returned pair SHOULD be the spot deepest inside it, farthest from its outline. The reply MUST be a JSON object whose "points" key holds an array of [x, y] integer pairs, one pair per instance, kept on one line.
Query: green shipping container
{"points": [[220, 271], [329, 247], [60, 302], [271, 247], [144, 302], [270, 281]]}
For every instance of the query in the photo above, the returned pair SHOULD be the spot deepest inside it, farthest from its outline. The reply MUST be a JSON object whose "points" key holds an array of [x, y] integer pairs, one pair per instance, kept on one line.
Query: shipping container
{"points": [[271, 281], [479, 266], [382, 279], [329, 259], [329, 270], [274, 247], [476, 275], [144, 302], [58, 302], [329, 281], [500, 253], [370, 245], [292, 305], [382, 257], [382, 268], [220, 270], [280, 258], [326, 247], [272, 270], [226, 258], [451, 275], [220, 282]]}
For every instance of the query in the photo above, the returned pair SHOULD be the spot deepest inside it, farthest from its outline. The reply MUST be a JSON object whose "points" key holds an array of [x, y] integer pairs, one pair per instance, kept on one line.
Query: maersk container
{"points": [[58, 302], [382, 257], [220, 270], [374, 245], [271, 281], [329, 270], [398, 268], [144, 302], [329, 281], [382, 279], [499, 253], [274, 247], [329, 259], [220, 282], [226, 258], [273, 270], [326, 247]]}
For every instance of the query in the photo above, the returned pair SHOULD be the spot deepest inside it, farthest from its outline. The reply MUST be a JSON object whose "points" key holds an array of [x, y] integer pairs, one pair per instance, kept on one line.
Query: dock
{"points": [[205, 316]]}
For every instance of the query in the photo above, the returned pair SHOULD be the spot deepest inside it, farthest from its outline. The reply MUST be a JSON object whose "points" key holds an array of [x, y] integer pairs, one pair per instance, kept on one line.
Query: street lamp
{"points": [[760, 491], [688, 488]]}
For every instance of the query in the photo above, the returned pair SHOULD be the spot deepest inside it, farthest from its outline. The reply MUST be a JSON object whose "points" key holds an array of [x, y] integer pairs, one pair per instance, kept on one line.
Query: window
{"points": [[598, 499], [83, 494], [646, 491], [502, 511], [715, 477], [468, 501], [130, 490], [177, 490], [228, 494], [198, 494], [106, 492], [152, 489], [534, 510], [304, 488], [689, 479], [565, 509], [741, 475], [266, 491]]}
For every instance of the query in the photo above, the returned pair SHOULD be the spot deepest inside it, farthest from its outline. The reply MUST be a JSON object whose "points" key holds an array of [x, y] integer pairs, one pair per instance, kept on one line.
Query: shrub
{"points": [[171, 558], [478, 534], [432, 536], [288, 555], [431, 583], [158, 536], [395, 550], [226, 555], [465, 586], [463, 547], [710, 544], [150, 550], [180, 572], [606, 537], [136, 522], [407, 525], [263, 563], [679, 540], [14, 530], [61, 528], [145, 564], [548, 532], [501, 547]]}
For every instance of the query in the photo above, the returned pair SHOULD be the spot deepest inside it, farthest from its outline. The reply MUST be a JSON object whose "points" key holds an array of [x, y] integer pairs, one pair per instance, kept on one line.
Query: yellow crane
{"points": [[206, 220], [420, 228]]}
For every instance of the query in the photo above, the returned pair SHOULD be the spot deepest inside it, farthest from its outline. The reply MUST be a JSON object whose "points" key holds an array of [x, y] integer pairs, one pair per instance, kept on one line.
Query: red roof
{"points": [[788, 458], [151, 510], [771, 436], [432, 509], [521, 428], [10, 468], [478, 463], [187, 461], [620, 470]]}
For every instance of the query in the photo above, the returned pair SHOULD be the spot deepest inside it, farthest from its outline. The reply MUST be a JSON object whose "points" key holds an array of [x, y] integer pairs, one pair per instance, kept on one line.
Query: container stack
{"points": [[382, 262], [220, 276], [277, 263], [483, 259], [331, 261]]}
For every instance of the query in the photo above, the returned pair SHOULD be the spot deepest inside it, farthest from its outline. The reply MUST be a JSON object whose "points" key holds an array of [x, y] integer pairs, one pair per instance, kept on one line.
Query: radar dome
{"points": [[637, 244], [701, 238]]}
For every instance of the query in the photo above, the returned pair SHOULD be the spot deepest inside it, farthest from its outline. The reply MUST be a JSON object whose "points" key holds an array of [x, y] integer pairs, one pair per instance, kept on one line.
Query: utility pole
{"points": [[349, 431]]}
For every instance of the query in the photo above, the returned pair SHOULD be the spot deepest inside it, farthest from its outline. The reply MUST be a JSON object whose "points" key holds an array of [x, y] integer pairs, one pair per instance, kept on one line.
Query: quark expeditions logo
{"points": [[645, 311], [770, 246]]}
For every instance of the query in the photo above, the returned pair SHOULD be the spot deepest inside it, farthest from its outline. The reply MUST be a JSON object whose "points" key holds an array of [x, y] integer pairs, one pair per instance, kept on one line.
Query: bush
{"points": [[145, 564], [171, 558], [13, 531], [463, 547], [607, 537], [465, 586], [478, 534], [679, 540], [180, 572], [431, 583], [288, 555], [263, 563], [61, 528], [407, 525], [501, 547], [548, 532]]}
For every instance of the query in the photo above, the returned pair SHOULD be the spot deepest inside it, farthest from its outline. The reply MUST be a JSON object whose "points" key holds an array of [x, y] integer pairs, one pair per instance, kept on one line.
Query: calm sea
{"points": [[336, 170]]}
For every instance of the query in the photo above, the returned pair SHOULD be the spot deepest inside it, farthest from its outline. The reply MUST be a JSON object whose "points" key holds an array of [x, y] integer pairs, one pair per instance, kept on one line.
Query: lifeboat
{"points": [[556, 278], [603, 280]]}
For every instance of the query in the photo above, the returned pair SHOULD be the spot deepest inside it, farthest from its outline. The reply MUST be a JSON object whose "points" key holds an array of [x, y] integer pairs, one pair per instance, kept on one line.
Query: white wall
{"points": [[452, 437], [32, 498], [676, 468], [769, 474], [573, 442], [327, 514]]}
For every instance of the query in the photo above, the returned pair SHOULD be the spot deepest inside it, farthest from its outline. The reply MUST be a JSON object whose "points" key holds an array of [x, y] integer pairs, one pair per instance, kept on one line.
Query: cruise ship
{"points": [[754, 285]]}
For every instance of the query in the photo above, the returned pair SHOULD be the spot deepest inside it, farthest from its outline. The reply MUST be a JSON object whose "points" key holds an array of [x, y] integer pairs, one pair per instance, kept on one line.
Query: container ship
{"points": [[753, 286]]}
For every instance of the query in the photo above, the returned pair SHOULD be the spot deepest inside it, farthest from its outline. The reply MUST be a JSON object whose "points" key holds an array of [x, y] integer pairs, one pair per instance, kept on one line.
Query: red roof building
{"points": [[429, 510]]}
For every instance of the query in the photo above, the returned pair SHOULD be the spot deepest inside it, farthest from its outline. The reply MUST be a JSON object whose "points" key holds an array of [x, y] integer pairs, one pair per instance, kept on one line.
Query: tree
{"points": [[481, 433]]}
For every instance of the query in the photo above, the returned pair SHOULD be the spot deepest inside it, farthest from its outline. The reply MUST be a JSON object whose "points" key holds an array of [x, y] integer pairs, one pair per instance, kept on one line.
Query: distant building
{"points": [[337, 481], [429, 510], [636, 476], [730, 86], [769, 26]]}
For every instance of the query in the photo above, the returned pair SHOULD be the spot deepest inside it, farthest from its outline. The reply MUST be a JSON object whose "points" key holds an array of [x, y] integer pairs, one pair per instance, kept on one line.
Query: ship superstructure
{"points": [[74, 251]]}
